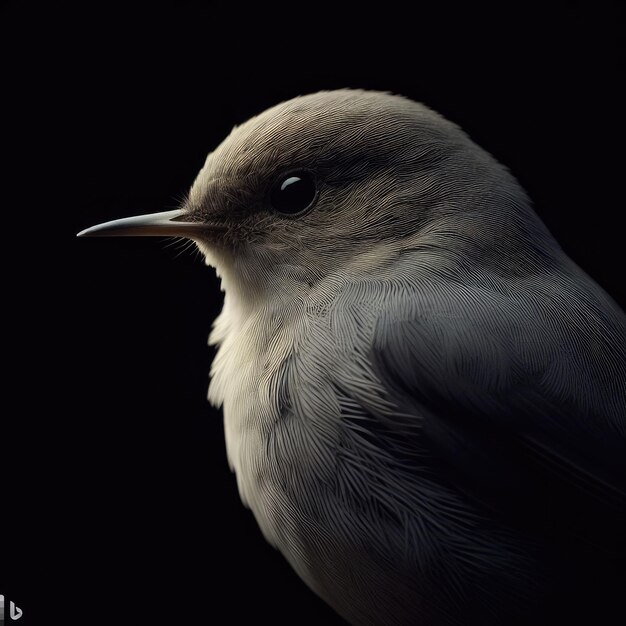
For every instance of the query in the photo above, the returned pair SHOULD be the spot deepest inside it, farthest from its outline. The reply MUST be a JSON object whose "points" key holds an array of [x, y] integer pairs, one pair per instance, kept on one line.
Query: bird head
{"points": [[336, 181]]}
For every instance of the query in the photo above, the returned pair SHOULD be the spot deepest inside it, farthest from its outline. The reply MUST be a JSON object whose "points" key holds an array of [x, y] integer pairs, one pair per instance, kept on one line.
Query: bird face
{"points": [[317, 184]]}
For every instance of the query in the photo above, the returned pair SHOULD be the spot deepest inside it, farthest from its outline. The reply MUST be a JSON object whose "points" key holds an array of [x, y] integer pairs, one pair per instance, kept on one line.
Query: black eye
{"points": [[293, 193]]}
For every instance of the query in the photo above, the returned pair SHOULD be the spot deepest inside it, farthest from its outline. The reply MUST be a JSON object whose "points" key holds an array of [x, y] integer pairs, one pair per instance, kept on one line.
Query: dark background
{"points": [[117, 501]]}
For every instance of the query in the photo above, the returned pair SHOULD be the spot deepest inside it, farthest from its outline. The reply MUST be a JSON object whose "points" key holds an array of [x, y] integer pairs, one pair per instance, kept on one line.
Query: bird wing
{"points": [[519, 390]]}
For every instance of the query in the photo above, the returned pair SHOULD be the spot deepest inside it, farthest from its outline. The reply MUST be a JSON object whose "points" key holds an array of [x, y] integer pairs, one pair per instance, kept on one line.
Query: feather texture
{"points": [[424, 397]]}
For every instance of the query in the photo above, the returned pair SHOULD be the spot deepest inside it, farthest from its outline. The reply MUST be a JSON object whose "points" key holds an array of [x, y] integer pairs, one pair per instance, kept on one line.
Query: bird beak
{"points": [[166, 224]]}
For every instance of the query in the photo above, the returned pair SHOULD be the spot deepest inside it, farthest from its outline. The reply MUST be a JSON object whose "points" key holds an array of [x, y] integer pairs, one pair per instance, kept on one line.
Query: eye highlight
{"points": [[293, 193]]}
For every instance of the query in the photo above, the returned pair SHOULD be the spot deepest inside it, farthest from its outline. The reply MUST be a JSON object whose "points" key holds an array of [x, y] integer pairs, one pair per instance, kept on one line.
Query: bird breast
{"points": [[299, 395]]}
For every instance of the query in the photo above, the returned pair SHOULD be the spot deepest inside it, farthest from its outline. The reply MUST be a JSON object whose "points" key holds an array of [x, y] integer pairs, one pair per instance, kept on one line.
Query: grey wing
{"points": [[520, 390]]}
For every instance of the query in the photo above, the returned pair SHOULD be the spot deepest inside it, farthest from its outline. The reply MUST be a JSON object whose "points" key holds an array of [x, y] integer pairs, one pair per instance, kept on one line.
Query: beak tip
{"points": [[87, 232]]}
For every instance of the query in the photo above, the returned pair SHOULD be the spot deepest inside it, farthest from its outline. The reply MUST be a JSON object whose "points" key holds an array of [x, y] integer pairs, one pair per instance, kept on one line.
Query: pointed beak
{"points": [[166, 224]]}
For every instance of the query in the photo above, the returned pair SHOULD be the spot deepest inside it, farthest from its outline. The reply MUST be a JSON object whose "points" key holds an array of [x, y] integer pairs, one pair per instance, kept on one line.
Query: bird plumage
{"points": [[424, 397]]}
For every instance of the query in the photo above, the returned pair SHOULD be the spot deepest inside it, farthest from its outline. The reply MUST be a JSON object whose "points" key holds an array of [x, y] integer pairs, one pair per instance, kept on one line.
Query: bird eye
{"points": [[293, 193]]}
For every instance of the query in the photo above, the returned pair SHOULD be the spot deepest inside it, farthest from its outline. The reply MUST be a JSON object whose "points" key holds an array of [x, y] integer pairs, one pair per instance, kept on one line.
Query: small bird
{"points": [[424, 397]]}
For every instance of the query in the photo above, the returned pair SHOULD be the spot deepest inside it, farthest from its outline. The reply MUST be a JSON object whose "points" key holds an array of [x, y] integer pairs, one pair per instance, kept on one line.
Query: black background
{"points": [[117, 501]]}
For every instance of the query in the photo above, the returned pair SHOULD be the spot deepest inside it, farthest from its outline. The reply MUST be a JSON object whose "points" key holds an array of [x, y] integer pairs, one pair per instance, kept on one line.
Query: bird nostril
{"points": [[184, 217]]}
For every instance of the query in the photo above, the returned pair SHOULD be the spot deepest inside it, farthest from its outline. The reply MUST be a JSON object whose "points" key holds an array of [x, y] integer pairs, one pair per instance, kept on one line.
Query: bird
{"points": [[424, 397]]}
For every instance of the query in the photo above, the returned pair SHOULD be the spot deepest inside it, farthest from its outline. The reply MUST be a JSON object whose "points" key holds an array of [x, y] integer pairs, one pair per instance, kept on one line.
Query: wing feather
{"points": [[521, 394]]}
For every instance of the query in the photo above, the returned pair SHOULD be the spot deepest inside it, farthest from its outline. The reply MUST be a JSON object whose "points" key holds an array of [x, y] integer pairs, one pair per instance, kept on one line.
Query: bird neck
{"points": [[256, 282]]}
